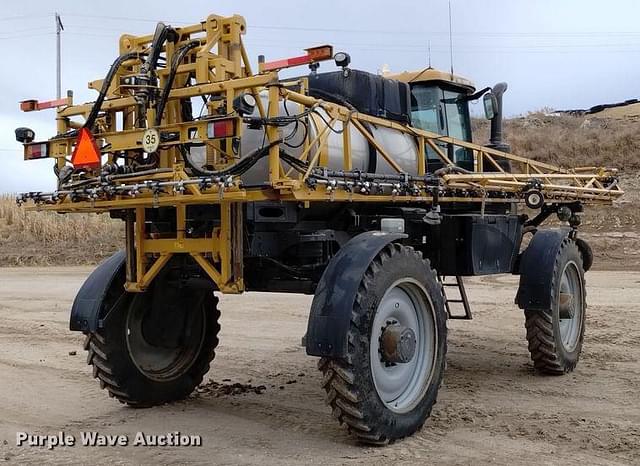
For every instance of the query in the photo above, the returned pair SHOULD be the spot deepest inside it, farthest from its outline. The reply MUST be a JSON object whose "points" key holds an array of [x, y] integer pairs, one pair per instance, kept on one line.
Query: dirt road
{"points": [[491, 408]]}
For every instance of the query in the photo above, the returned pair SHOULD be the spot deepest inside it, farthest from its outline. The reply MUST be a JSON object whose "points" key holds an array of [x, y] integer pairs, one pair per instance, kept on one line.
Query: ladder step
{"points": [[463, 299]]}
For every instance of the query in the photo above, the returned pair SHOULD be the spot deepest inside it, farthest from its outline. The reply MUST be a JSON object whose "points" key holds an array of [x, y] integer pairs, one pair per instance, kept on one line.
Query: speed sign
{"points": [[150, 140]]}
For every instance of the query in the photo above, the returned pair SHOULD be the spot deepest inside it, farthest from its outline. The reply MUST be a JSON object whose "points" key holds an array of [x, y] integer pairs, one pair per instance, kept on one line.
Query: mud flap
{"points": [[87, 306], [336, 292], [537, 264]]}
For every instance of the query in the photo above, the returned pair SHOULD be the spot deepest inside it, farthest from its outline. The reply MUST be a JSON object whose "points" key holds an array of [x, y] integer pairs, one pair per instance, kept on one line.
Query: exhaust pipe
{"points": [[496, 140]]}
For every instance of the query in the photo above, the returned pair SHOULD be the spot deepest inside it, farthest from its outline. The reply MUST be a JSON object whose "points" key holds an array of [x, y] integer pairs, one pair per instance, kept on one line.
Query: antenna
{"points": [[450, 40], [59, 28], [429, 53]]}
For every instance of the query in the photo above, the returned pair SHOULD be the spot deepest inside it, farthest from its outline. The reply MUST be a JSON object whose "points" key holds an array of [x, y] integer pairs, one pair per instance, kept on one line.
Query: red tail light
{"points": [[36, 150], [221, 128]]}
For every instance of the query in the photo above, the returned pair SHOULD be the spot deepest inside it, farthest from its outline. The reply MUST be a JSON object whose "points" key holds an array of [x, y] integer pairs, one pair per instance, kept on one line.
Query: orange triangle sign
{"points": [[86, 153]]}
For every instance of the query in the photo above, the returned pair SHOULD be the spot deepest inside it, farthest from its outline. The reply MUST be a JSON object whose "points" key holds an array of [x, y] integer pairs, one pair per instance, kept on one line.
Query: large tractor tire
{"points": [[555, 335], [154, 347], [385, 388]]}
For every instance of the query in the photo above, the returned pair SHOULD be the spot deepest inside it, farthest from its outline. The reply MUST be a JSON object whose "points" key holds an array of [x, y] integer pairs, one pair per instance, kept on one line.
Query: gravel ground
{"points": [[263, 404]]}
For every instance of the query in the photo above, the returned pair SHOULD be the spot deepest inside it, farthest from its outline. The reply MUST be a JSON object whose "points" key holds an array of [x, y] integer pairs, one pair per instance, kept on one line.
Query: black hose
{"points": [[147, 75], [297, 164], [175, 62], [159, 37], [97, 105], [238, 169]]}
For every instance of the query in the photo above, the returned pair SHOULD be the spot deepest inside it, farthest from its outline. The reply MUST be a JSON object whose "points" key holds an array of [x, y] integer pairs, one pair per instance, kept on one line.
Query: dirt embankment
{"points": [[598, 140], [614, 231], [262, 402]]}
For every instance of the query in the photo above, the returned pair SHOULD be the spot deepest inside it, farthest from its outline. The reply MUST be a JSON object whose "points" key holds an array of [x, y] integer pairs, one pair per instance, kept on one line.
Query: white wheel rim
{"points": [[571, 327], [401, 386]]}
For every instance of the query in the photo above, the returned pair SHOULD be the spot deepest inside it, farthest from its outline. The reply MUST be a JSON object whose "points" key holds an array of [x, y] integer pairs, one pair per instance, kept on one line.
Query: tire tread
{"points": [[539, 328], [339, 379], [97, 347]]}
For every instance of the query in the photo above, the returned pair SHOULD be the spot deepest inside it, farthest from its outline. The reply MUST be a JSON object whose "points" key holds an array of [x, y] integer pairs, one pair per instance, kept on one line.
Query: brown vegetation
{"points": [[570, 141], [44, 238]]}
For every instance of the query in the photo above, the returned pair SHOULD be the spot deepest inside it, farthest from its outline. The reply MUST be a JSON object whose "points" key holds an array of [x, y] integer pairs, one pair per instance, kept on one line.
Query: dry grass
{"points": [[43, 238], [572, 141]]}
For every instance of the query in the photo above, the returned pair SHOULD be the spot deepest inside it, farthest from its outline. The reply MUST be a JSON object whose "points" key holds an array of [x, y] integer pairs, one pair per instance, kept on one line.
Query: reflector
{"points": [[86, 153], [322, 52]]}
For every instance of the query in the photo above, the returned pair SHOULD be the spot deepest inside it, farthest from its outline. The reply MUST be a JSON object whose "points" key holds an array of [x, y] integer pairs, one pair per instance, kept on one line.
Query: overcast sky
{"points": [[558, 54]]}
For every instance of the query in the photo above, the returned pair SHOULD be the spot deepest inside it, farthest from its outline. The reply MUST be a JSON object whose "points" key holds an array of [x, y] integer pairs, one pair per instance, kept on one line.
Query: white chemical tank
{"points": [[400, 146]]}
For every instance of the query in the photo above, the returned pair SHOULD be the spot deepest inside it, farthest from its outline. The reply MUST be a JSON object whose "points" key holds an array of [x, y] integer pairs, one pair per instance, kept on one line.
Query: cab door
{"points": [[458, 123], [441, 110]]}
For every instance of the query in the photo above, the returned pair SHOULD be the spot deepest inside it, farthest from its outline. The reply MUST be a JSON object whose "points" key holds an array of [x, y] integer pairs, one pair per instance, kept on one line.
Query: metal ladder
{"points": [[463, 298]]}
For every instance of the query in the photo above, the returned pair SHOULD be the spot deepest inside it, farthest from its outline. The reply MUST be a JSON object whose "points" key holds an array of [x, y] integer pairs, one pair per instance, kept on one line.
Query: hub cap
{"points": [[570, 306], [403, 345], [397, 344], [157, 360]]}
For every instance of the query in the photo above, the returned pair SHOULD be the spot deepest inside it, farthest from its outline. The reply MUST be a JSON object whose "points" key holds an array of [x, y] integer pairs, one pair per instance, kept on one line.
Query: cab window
{"points": [[425, 108], [457, 112], [440, 110], [458, 126]]}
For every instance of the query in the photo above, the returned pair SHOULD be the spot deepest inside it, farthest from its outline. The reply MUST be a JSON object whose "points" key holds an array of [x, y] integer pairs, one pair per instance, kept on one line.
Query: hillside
{"points": [[610, 138]]}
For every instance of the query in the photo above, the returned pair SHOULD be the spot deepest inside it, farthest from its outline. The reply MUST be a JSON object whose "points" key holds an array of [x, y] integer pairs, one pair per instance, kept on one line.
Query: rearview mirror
{"points": [[490, 106]]}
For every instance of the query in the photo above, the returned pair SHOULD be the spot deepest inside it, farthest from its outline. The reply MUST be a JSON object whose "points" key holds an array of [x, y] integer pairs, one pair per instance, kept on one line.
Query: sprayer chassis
{"points": [[350, 237]]}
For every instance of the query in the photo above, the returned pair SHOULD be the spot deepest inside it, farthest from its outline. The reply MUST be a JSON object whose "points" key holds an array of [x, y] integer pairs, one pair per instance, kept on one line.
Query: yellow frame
{"points": [[220, 66]]}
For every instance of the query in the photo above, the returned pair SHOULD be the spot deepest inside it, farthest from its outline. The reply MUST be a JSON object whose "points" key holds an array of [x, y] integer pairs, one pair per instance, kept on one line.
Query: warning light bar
{"points": [[33, 105], [85, 153], [314, 54]]}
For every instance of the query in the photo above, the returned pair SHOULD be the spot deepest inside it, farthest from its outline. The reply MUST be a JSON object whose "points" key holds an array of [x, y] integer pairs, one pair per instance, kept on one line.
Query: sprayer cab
{"points": [[440, 104]]}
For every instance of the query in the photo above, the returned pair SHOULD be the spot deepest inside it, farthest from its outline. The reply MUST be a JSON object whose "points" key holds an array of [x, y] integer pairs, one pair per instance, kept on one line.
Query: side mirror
{"points": [[490, 106]]}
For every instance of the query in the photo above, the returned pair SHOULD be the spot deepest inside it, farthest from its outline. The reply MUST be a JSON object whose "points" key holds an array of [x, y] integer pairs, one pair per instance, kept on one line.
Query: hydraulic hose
{"points": [[238, 169], [97, 105], [147, 74], [175, 62], [162, 33]]}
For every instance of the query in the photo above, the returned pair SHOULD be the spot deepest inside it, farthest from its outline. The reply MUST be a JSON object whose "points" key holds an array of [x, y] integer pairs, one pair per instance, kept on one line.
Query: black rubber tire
{"points": [[348, 382], [114, 368], [548, 352]]}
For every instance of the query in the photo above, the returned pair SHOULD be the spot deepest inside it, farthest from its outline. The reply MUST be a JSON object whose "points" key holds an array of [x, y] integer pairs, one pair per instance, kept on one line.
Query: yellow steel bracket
{"points": [[219, 256]]}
